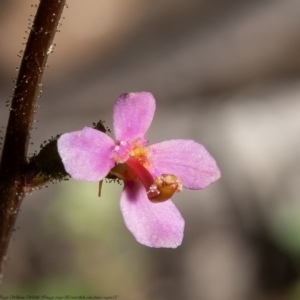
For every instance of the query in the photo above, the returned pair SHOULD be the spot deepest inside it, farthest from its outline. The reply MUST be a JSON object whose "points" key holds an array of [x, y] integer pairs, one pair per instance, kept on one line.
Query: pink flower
{"points": [[151, 174]]}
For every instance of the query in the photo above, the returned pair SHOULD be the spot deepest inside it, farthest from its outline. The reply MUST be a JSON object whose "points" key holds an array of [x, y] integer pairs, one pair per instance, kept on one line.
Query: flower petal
{"points": [[152, 224], [86, 154], [187, 160], [133, 114]]}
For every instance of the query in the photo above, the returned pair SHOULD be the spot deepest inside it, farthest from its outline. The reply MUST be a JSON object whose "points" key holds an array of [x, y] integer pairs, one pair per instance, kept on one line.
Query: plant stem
{"points": [[23, 106]]}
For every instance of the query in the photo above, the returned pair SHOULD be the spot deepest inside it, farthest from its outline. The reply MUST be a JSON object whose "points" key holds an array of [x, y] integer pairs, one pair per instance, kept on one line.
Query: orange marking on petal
{"points": [[141, 154]]}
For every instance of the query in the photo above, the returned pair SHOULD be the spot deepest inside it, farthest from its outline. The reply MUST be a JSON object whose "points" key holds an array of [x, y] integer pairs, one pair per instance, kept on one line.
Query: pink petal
{"points": [[187, 160], [86, 154], [152, 224], [133, 114]]}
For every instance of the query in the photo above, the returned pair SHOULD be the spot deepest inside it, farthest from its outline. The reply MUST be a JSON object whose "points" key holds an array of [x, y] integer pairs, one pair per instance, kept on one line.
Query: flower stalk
{"points": [[27, 89]]}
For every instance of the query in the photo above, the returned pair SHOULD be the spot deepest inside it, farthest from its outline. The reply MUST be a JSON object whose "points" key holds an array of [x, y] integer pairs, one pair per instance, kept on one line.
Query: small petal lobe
{"points": [[133, 114], [86, 154], [187, 160], [152, 224]]}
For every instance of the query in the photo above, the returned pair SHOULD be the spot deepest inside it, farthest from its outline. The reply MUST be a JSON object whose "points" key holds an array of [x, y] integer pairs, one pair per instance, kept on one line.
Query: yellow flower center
{"points": [[142, 155]]}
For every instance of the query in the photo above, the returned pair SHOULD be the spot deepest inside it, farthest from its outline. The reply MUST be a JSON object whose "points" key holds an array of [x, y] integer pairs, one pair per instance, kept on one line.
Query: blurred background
{"points": [[225, 73]]}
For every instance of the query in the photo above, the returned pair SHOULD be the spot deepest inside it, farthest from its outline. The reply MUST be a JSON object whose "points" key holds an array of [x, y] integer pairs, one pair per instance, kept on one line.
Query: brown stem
{"points": [[14, 154]]}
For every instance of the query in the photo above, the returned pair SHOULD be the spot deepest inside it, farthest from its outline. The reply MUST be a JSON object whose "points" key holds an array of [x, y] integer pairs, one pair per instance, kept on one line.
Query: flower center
{"points": [[136, 149], [133, 161]]}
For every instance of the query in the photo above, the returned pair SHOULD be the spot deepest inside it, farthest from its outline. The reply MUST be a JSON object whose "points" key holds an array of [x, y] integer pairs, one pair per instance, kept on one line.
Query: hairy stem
{"points": [[14, 154]]}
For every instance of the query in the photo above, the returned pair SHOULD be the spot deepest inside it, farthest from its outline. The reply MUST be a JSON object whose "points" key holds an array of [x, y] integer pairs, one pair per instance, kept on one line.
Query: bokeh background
{"points": [[225, 73]]}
